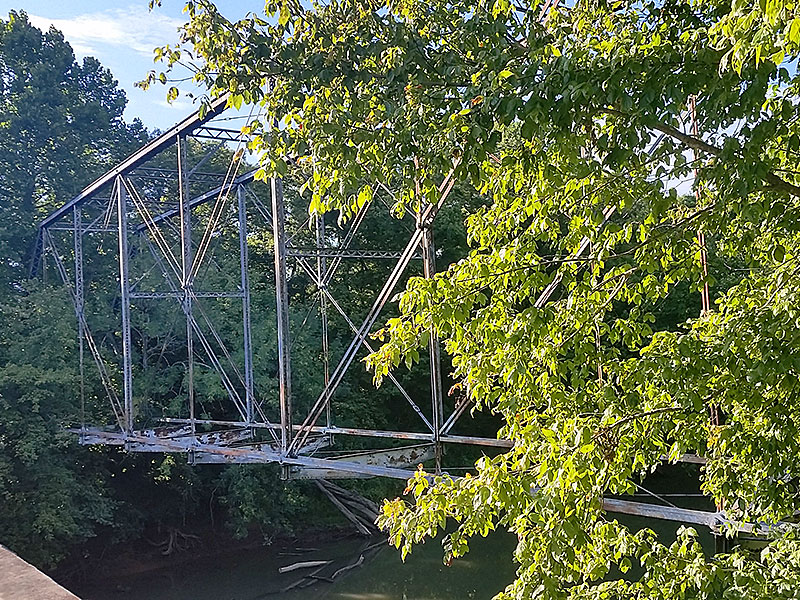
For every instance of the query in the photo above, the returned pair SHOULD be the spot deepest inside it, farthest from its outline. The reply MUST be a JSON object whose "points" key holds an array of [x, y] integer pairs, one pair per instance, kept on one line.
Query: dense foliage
{"points": [[60, 126], [577, 122]]}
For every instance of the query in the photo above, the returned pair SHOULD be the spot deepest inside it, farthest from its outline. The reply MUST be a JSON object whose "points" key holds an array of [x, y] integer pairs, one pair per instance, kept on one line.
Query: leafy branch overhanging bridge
{"points": [[144, 217]]}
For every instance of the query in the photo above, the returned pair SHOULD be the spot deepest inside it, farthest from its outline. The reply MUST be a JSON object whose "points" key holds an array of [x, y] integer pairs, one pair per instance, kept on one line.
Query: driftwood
{"points": [[309, 564], [365, 513], [315, 577], [356, 502], [363, 527], [305, 581], [366, 502], [358, 563], [382, 542]]}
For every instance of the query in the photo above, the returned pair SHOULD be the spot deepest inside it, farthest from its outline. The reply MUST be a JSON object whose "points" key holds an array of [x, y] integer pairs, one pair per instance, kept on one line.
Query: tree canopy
{"points": [[60, 126], [577, 122]]}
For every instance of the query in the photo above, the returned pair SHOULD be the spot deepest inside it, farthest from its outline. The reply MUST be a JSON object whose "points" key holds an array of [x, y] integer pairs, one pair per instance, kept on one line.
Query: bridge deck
{"points": [[22, 581]]}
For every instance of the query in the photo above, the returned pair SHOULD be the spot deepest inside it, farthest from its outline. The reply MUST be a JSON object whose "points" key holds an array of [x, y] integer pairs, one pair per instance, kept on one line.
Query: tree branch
{"points": [[694, 143], [642, 415]]}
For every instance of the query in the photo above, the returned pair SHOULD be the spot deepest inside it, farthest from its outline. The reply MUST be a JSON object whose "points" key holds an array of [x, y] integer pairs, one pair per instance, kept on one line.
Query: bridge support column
{"points": [[282, 308], [241, 193], [186, 270], [77, 233], [437, 407], [322, 275], [125, 299]]}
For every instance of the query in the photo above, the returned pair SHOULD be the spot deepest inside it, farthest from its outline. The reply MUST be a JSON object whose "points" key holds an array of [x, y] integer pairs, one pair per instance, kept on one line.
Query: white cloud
{"points": [[133, 28], [182, 105]]}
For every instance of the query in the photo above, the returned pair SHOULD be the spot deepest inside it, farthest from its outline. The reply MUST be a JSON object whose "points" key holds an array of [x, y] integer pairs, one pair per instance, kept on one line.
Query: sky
{"points": [[122, 36]]}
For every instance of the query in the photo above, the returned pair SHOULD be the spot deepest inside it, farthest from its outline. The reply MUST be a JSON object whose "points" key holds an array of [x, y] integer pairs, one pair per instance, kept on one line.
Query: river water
{"points": [[368, 569], [253, 574], [380, 575]]}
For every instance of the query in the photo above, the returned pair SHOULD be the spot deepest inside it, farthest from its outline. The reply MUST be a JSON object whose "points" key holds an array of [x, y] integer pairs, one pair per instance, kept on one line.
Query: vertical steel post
{"points": [[77, 233], [322, 275], [437, 408], [245, 285], [282, 307], [186, 269], [721, 543], [124, 285]]}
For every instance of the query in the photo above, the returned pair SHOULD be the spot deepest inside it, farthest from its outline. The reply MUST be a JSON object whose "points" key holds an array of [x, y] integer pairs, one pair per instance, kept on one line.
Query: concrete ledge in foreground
{"points": [[21, 581]]}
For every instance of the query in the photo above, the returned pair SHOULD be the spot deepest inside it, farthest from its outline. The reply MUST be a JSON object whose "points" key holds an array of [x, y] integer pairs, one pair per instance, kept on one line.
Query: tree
{"points": [[602, 97], [60, 121], [60, 125]]}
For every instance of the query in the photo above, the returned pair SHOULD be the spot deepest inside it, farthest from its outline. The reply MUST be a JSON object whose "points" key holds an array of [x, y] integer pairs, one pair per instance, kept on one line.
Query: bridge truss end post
{"points": [[437, 407], [282, 310]]}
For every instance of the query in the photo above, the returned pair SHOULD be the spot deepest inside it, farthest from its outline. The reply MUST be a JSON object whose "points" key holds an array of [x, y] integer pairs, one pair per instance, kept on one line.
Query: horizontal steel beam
{"points": [[344, 253], [716, 521], [354, 431], [179, 294], [85, 230], [666, 513], [166, 176], [218, 133], [245, 454], [405, 457]]}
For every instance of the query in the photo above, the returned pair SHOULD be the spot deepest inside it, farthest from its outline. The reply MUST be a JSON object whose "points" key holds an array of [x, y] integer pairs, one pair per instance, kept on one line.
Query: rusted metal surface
{"points": [[477, 441], [257, 453], [666, 513], [716, 521], [407, 457]]}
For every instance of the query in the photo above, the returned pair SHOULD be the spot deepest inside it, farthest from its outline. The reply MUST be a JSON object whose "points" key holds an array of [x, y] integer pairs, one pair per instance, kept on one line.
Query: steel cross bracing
{"points": [[171, 226]]}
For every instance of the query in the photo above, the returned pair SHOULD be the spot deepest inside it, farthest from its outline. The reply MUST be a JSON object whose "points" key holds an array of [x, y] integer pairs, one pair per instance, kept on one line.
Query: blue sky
{"points": [[122, 35]]}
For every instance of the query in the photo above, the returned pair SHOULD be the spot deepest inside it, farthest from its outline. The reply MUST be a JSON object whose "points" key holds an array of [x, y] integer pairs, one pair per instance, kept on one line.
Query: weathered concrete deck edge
{"points": [[22, 581]]}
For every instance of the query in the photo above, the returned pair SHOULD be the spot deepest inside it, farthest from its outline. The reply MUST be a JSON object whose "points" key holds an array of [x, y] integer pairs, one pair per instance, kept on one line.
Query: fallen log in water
{"points": [[358, 563], [309, 564]]}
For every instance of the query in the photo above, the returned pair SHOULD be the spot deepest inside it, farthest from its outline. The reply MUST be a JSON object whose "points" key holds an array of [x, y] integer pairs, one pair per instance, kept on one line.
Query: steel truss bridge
{"points": [[162, 216], [144, 217]]}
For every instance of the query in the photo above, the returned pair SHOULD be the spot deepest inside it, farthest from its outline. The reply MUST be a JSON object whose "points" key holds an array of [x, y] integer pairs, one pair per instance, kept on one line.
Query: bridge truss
{"points": [[156, 218]]}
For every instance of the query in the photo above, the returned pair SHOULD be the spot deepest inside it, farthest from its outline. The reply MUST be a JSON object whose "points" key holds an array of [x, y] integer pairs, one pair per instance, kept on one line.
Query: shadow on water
{"points": [[253, 575], [380, 574]]}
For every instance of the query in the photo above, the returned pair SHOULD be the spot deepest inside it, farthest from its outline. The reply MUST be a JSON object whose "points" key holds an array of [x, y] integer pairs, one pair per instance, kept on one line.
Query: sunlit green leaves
{"points": [[577, 132]]}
